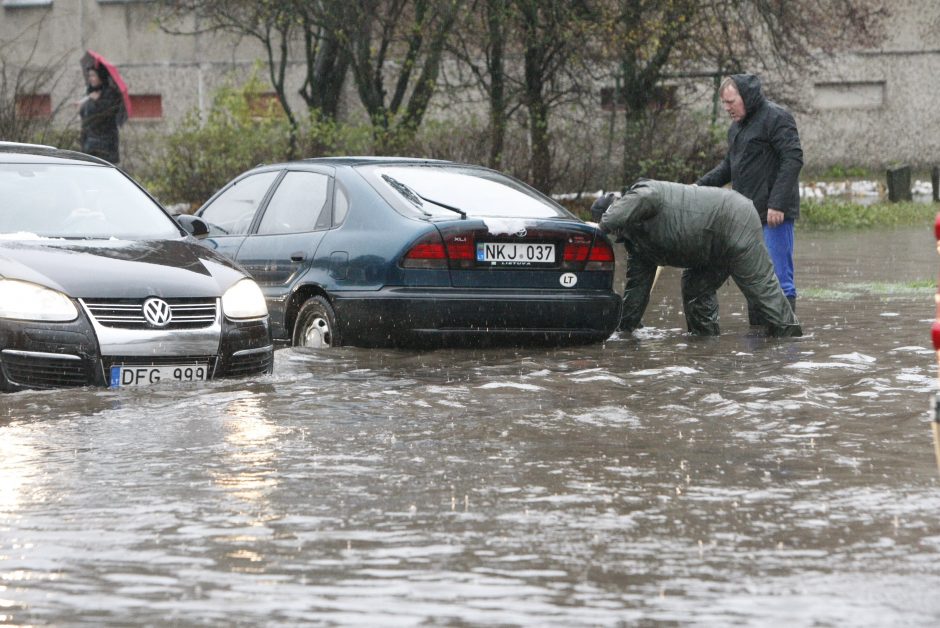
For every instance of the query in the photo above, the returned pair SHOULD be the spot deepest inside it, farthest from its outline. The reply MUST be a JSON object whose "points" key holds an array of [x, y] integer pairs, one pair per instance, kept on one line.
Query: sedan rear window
{"points": [[78, 201], [441, 191]]}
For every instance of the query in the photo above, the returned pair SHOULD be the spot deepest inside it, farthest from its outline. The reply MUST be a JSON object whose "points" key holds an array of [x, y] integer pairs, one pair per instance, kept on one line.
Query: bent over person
{"points": [[711, 233]]}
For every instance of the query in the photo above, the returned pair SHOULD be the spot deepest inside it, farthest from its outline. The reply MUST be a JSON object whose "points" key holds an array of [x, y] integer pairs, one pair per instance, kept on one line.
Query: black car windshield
{"points": [[77, 201], [479, 192]]}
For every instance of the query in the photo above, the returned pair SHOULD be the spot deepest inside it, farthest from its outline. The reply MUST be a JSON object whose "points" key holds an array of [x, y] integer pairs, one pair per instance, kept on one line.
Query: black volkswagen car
{"points": [[100, 286], [388, 252]]}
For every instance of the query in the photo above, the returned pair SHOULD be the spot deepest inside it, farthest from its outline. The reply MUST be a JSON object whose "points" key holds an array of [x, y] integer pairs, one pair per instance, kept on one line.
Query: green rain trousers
{"points": [[712, 234]]}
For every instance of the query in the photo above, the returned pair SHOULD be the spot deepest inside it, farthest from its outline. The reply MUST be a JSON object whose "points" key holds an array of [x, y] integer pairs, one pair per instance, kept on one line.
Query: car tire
{"points": [[316, 325]]}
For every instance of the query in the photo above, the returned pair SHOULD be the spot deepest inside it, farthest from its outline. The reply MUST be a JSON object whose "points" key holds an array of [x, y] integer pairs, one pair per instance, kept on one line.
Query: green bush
{"points": [[846, 172], [198, 157], [833, 214]]}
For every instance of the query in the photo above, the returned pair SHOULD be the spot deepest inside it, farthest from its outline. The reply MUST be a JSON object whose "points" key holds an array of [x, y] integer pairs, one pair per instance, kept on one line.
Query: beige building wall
{"points": [[877, 106], [181, 71]]}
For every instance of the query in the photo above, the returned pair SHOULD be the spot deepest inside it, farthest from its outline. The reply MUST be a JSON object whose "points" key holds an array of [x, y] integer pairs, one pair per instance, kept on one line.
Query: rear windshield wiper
{"points": [[416, 198]]}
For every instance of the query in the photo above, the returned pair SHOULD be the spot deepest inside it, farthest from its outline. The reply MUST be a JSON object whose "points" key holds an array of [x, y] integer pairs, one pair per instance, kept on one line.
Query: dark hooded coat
{"points": [[100, 121], [711, 233], [764, 156]]}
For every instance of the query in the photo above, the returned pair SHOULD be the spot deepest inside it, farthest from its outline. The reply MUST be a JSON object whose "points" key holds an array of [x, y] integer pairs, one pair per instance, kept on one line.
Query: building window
{"points": [[34, 106], [26, 3], [146, 106], [850, 95], [264, 105]]}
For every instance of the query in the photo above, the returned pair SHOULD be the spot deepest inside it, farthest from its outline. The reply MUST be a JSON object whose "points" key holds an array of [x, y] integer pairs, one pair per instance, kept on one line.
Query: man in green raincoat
{"points": [[712, 234]]}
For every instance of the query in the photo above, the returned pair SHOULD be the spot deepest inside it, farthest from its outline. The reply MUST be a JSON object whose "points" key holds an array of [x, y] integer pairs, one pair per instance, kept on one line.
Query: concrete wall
{"points": [[184, 70], [877, 105]]}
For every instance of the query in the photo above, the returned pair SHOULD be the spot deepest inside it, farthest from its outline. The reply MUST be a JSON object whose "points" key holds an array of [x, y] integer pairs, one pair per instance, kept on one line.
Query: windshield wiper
{"points": [[416, 198]]}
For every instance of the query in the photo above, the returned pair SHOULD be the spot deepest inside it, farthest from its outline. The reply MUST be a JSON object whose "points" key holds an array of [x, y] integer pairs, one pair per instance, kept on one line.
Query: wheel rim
{"points": [[317, 333]]}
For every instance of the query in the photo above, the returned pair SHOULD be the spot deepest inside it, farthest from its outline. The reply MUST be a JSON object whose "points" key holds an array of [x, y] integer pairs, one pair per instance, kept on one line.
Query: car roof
{"points": [[17, 152], [353, 161], [364, 160]]}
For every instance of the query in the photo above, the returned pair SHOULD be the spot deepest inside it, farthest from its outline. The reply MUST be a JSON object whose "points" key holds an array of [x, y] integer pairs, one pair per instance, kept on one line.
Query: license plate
{"points": [[123, 375], [510, 253]]}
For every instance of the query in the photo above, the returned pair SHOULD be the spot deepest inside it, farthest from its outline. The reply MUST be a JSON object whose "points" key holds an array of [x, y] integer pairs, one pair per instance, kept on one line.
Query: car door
{"points": [[285, 241], [231, 212]]}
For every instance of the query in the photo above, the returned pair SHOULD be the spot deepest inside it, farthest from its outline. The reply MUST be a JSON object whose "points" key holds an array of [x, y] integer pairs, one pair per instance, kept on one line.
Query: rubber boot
{"points": [[792, 301], [753, 316]]}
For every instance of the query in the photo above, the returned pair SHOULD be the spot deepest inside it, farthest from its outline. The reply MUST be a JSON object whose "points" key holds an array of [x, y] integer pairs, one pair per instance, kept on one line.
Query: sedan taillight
{"points": [[433, 252], [601, 256], [577, 248], [597, 255], [428, 252]]}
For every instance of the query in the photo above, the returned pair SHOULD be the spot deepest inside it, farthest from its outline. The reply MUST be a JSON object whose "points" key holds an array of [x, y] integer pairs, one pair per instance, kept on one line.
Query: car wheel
{"points": [[316, 325]]}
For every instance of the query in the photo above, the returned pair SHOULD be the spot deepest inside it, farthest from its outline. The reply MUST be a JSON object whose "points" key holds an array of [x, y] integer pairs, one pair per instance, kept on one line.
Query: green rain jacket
{"points": [[713, 233]]}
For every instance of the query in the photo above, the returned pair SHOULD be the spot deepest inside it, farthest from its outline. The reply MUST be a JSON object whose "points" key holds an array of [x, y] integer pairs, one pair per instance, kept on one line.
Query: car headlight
{"points": [[26, 301], [244, 300]]}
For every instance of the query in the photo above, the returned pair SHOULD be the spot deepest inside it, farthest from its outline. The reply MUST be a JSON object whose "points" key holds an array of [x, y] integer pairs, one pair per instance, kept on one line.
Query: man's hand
{"points": [[774, 217]]}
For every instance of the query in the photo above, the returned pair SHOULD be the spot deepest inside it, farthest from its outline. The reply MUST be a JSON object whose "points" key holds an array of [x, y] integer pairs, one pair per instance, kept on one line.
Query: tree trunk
{"points": [[495, 15]]}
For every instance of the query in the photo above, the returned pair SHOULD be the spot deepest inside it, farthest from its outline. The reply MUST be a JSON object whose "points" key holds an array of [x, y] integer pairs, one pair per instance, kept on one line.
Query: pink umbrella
{"points": [[92, 59]]}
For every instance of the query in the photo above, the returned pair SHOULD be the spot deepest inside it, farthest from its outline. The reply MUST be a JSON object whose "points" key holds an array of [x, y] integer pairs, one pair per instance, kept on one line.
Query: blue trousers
{"points": [[779, 242]]}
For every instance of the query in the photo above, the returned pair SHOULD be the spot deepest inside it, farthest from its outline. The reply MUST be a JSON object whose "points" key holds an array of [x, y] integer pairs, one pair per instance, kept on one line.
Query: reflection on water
{"points": [[18, 461], [249, 473], [656, 478]]}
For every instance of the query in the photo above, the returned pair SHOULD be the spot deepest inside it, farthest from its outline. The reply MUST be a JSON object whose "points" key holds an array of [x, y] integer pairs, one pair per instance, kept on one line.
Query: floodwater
{"points": [[656, 479]]}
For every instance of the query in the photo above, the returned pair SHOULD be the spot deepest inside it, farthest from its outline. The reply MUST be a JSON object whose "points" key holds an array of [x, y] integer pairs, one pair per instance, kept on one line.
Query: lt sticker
{"points": [[568, 280]]}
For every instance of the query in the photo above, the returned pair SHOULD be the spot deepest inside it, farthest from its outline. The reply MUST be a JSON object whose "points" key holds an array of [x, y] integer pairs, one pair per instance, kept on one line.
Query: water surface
{"points": [[651, 479]]}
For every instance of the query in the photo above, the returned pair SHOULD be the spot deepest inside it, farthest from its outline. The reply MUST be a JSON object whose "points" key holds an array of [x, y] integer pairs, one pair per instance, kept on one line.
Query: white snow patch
{"points": [[501, 226]]}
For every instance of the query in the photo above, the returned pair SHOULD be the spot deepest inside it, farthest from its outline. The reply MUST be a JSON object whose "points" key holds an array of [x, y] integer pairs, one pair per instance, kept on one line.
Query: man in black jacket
{"points": [[763, 163], [711, 234]]}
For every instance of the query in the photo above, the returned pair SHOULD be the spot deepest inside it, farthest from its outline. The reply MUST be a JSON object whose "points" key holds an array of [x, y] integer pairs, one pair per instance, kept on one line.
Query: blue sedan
{"points": [[374, 251]]}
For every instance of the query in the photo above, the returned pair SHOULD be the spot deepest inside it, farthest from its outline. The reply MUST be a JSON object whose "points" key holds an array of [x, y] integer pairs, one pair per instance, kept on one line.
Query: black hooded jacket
{"points": [[100, 120], [764, 156]]}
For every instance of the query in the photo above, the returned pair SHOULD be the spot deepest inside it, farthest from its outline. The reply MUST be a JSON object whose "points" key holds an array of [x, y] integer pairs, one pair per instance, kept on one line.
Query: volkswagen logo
{"points": [[157, 312], [521, 233]]}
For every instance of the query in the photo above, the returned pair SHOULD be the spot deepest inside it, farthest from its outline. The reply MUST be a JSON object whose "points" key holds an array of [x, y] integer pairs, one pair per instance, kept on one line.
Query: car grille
{"points": [[44, 370], [129, 313], [249, 364]]}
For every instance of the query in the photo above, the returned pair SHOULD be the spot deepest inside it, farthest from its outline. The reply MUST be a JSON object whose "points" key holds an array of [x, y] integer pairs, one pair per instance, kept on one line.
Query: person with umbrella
{"points": [[102, 111]]}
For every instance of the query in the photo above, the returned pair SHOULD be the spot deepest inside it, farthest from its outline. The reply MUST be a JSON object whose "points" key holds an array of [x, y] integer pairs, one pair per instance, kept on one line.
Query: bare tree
{"points": [[526, 54], [22, 82], [552, 35], [282, 27], [397, 43], [658, 40], [481, 44]]}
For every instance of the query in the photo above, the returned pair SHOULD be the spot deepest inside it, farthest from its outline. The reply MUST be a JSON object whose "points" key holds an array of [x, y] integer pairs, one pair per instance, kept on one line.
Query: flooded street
{"points": [[653, 479]]}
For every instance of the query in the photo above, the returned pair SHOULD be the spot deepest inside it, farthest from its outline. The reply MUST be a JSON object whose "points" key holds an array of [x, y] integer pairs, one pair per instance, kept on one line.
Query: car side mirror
{"points": [[193, 225]]}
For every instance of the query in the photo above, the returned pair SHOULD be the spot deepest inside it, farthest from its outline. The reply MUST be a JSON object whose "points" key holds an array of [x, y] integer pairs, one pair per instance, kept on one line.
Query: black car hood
{"points": [[119, 268]]}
